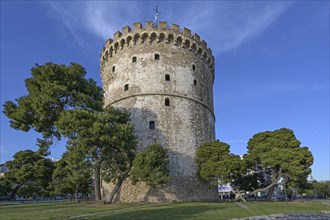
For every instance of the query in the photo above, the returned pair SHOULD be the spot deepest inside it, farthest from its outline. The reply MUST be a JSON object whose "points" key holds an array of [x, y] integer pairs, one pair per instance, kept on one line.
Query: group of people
{"points": [[226, 196]]}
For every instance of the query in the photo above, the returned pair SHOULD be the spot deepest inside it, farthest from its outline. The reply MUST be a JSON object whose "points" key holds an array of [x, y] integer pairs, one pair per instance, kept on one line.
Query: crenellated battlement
{"points": [[162, 34]]}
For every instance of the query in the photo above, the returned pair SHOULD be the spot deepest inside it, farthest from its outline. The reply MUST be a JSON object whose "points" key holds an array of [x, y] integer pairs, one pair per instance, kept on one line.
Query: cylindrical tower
{"points": [[164, 76]]}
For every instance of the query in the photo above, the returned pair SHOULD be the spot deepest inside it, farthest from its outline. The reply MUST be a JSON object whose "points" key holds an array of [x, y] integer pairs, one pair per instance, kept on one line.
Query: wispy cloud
{"points": [[227, 25], [224, 25]]}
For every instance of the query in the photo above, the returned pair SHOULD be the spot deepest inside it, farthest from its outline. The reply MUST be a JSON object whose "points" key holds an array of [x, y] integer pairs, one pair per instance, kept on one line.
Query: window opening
{"points": [[134, 59], [156, 56], [167, 102], [195, 82], [126, 87], [151, 125], [193, 67], [167, 77], [113, 69]]}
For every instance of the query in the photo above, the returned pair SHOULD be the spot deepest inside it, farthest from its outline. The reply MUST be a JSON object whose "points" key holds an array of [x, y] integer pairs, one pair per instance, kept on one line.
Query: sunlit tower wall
{"points": [[164, 77]]}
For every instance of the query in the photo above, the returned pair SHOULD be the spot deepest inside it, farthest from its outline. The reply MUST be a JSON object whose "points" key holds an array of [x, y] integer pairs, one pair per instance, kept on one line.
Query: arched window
{"points": [[187, 44], [128, 40], [136, 38], [179, 41], [144, 37], [167, 102], [170, 38], [156, 56], [153, 37], [122, 43], [193, 67], [151, 125], [106, 56], [167, 77], [161, 37], [134, 59], [126, 87]]}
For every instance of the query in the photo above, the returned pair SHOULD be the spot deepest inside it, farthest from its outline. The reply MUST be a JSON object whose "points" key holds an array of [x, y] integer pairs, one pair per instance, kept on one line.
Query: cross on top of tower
{"points": [[155, 24]]}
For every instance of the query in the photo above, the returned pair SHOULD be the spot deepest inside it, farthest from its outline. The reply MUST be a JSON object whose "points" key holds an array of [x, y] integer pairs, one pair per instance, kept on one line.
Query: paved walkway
{"points": [[294, 216]]}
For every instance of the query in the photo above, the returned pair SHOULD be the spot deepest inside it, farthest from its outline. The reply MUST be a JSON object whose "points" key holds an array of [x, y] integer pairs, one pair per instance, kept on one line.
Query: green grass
{"points": [[172, 211]]}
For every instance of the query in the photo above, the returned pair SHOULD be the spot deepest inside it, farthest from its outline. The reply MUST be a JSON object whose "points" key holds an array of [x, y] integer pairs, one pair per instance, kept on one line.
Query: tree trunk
{"points": [[12, 195], [118, 185], [276, 177], [97, 180], [239, 197], [76, 192], [270, 193], [13, 192]]}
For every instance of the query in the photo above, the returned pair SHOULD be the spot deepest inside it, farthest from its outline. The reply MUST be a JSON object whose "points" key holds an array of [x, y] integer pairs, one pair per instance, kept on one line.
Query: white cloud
{"points": [[227, 25], [224, 25]]}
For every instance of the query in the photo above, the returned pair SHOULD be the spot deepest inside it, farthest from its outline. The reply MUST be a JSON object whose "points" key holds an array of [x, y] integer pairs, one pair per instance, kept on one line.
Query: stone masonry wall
{"points": [[165, 76]]}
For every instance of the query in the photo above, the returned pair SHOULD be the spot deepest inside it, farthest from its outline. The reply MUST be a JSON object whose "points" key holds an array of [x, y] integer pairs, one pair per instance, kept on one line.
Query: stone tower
{"points": [[164, 76]]}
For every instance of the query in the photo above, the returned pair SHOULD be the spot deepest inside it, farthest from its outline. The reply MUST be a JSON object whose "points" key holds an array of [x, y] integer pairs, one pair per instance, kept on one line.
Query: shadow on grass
{"points": [[179, 212]]}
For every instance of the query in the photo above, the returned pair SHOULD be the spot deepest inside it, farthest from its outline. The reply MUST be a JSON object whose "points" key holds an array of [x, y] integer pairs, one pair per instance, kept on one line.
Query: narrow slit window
{"points": [[126, 87], [193, 67], [113, 69], [167, 77], [167, 102], [134, 59], [195, 82], [151, 125], [156, 56]]}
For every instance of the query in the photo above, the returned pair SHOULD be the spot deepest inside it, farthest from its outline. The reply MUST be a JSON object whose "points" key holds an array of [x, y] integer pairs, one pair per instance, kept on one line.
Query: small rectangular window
{"points": [[113, 69], [134, 59], [167, 77], [151, 125], [167, 102], [126, 87], [156, 56], [195, 82], [193, 67]]}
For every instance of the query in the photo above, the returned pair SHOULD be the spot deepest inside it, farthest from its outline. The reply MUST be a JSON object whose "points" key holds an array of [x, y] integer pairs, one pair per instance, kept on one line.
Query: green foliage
{"points": [[215, 163], [278, 152], [150, 166], [5, 187], [317, 189], [28, 167], [52, 89], [106, 138], [73, 173]]}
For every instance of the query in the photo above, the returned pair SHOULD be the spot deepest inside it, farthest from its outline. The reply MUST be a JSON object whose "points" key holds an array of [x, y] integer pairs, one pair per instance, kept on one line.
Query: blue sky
{"points": [[272, 60]]}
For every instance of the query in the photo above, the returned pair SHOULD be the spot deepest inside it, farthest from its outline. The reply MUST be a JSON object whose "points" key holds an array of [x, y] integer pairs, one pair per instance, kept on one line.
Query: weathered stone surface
{"points": [[140, 69]]}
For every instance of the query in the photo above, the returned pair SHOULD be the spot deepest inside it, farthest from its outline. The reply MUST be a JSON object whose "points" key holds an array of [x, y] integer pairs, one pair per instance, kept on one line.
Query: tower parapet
{"points": [[164, 77], [163, 33]]}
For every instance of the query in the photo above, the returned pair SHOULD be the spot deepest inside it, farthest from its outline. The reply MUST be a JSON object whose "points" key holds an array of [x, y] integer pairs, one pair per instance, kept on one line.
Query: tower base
{"points": [[180, 188]]}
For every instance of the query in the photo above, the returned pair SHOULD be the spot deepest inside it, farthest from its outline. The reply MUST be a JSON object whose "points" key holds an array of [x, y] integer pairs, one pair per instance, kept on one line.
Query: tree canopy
{"points": [[278, 154], [271, 155], [105, 137], [61, 102], [151, 166], [215, 163], [28, 167], [72, 174], [52, 89]]}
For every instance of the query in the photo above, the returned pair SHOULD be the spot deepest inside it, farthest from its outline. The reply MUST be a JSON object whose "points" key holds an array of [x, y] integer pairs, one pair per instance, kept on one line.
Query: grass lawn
{"points": [[172, 211]]}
